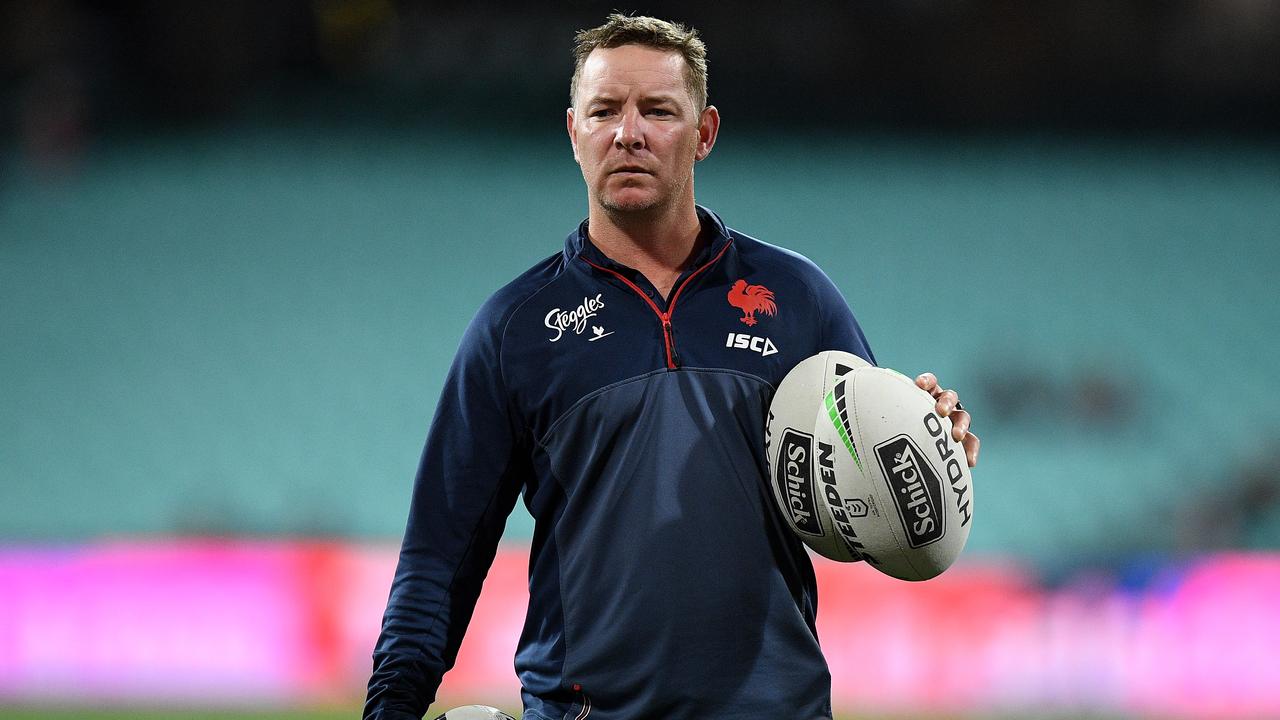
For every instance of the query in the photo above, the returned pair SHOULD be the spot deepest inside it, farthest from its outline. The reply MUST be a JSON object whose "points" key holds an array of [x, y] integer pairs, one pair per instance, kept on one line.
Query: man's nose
{"points": [[630, 133]]}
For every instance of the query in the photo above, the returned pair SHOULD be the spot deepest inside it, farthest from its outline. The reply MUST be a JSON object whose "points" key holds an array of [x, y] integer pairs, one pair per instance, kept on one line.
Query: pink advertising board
{"points": [[236, 622]]}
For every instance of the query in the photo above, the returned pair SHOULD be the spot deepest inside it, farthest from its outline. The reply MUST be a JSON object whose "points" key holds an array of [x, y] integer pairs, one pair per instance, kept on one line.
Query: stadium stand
{"points": [[210, 334]]}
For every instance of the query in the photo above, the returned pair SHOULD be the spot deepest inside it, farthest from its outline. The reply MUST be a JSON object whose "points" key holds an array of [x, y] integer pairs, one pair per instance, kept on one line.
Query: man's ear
{"points": [[708, 130], [573, 135]]}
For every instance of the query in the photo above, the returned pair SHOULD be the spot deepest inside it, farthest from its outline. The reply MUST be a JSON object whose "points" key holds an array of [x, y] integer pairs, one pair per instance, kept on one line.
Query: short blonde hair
{"points": [[619, 30]]}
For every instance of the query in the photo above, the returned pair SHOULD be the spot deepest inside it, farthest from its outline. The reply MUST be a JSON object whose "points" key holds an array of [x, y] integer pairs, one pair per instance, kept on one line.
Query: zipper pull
{"points": [[671, 341]]}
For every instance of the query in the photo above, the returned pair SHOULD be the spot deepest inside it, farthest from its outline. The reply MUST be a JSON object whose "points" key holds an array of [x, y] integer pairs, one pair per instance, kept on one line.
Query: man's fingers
{"points": [[948, 405], [928, 382], [947, 401], [959, 425], [971, 446]]}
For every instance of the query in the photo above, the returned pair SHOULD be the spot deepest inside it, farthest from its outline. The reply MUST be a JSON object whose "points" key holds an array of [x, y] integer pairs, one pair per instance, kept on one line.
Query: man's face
{"points": [[635, 129]]}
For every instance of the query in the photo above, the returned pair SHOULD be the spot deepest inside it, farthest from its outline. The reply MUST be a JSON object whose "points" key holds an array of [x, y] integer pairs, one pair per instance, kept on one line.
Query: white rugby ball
{"points": [[862, 467], [475, 712]]}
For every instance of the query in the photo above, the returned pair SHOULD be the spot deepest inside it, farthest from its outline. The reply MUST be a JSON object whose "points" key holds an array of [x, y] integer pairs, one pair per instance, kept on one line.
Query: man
{"points": [[663, 582]]}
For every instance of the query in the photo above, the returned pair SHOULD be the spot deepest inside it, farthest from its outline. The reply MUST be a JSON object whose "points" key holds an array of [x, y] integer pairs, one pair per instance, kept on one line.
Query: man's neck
{"points": [[660, 246]]}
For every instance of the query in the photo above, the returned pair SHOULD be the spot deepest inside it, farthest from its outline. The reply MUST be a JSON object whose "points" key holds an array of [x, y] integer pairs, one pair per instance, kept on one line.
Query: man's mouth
{"points": [[631, 169]]}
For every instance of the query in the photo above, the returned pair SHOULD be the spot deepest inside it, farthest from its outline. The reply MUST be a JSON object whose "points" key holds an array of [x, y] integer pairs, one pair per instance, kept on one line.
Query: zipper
{"points": [[668, 334]]}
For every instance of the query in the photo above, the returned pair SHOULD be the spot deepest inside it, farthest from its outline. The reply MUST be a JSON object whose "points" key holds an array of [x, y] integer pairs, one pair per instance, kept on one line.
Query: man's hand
{"points": [[949, 406]]}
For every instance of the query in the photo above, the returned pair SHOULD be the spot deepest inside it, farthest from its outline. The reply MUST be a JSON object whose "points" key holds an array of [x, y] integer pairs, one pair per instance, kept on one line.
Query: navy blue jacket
{"points": [[663, 581]]}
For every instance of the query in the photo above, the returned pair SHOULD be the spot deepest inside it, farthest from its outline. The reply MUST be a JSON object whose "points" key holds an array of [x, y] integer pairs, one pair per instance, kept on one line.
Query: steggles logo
{"points": [[561, 320]]}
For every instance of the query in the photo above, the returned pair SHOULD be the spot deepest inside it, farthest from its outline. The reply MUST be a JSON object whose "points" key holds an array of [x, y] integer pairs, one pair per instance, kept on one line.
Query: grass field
{"points": [[353, 713], [174, 714]]}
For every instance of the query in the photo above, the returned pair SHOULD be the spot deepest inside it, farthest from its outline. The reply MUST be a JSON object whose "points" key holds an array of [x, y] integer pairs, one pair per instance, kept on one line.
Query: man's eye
{"points": [[602, 112], [663, 112]]}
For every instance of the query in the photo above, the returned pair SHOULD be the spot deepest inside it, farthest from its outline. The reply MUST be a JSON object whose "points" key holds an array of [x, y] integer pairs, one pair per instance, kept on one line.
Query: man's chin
{"points": [[630, 204]]}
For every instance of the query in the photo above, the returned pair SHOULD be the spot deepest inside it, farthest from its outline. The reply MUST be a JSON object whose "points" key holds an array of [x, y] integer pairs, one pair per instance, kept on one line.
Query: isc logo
{"points": [[743, 341]]}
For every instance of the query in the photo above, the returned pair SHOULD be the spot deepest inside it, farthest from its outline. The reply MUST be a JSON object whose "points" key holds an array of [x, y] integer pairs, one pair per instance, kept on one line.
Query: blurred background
{"points": [[239, 242]]}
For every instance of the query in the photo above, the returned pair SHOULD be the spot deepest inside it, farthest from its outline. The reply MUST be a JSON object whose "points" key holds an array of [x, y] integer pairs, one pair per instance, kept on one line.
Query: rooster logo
{"points": [[751, 299]]}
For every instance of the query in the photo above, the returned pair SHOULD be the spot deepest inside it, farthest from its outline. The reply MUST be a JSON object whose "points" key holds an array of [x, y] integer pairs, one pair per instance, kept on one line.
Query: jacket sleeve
{"points": [[839, 329], [468, 480]]}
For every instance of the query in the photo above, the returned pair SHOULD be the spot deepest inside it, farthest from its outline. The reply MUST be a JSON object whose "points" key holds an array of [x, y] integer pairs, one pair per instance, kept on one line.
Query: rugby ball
{"points": [[862, 467], [475, 712]]}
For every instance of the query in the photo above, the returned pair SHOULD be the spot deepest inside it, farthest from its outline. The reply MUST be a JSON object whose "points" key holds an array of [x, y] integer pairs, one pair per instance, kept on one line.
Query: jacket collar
{"points": [[579, 244]]}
